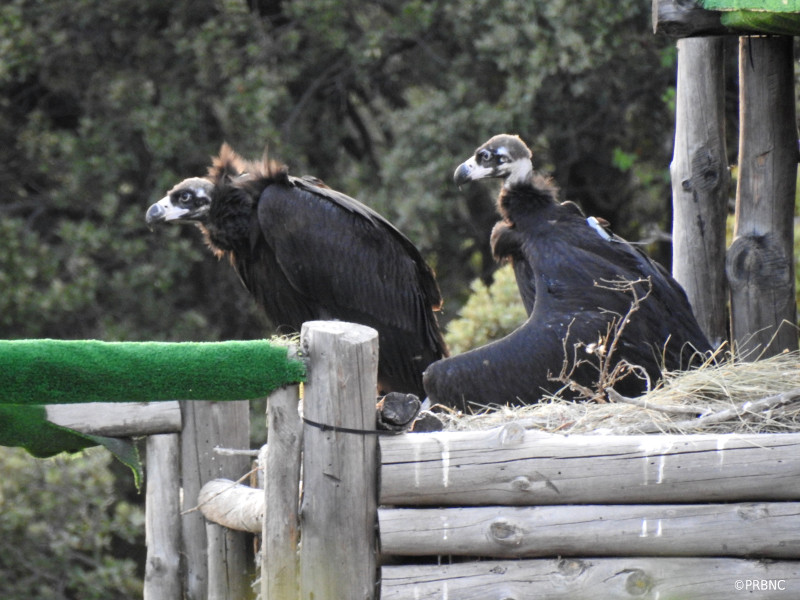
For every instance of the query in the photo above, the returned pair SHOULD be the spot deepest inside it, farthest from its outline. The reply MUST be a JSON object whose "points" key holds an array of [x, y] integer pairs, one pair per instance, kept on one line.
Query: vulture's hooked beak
{"points": [[463, 172], [164, 211], [155, 214]]}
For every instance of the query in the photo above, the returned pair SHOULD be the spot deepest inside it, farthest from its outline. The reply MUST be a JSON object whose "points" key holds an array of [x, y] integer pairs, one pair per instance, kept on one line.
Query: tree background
{"points": [[105, 104]]}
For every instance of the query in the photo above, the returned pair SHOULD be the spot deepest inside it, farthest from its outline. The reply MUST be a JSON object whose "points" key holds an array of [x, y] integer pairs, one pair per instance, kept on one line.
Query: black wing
{"points": [[344, 261]]}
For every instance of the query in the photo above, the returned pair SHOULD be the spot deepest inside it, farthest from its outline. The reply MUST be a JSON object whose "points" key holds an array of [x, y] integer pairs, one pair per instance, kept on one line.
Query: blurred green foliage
{"points": [[105, 105], [61, 520], [492, 312]]}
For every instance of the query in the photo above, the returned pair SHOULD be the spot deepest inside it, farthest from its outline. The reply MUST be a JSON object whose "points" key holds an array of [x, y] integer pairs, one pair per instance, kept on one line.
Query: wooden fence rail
{"points": [[586, 516]]}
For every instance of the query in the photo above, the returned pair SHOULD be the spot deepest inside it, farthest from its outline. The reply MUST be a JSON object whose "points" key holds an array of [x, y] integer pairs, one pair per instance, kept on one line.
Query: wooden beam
{"points": [[338, 513], [594, 579], [689, 18], [685, 18], [700, 181], [740, 530], [281, 526], [512, 466], [760, 261], [118, 419]]}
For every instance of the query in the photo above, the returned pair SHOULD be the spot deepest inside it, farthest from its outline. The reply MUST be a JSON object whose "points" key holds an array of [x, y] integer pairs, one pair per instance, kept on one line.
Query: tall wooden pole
{"points": [[162, 577], [281, 530], [700, 181], [217, 565], [760, 261], [339, 508]]}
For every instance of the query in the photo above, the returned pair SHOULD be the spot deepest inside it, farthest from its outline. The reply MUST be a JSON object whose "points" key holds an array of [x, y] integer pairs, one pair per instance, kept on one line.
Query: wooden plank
{"points": [[224, 572], [338, 514], [512, 466], [760, 262], [118, 419], [162, 577], [281, 530], [595, 579], [684, 18], [700, 181], [768, 530]]}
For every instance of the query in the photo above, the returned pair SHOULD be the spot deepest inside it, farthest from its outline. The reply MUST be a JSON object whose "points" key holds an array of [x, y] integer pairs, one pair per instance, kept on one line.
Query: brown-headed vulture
{"points": [[307, 252], [579, 284]]}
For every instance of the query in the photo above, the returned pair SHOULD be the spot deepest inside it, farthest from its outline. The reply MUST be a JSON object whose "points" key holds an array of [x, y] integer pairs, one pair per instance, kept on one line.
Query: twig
{"points": [[605, 348], [615, 396], [748, 408]]}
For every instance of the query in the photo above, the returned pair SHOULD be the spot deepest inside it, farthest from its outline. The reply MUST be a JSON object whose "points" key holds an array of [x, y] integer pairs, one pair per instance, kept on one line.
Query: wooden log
{"points": [[595, 579], [226, 571], [767, 530], [338, 514], [700, 179], [162, 577], [230, 576], [232, 505], [281, 528], [760, 262], [118, 419], [685, 18], [512, 466]]}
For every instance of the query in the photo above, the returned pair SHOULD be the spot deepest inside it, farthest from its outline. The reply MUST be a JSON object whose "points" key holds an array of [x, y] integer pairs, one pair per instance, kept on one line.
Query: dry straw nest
{"points": [[725, 395]]}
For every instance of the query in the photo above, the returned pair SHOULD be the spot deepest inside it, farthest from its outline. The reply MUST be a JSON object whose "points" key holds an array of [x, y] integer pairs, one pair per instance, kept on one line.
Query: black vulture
{"points": [[307, 252], [594, 301]]}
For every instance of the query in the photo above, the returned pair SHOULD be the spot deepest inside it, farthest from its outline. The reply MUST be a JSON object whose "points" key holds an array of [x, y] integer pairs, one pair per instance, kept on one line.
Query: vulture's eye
{"points": [[185, 197], [484, 156]]}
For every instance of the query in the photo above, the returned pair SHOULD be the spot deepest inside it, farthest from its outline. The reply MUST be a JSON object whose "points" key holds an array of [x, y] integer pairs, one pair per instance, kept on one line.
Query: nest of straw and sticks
{"points": [[725, 395]]}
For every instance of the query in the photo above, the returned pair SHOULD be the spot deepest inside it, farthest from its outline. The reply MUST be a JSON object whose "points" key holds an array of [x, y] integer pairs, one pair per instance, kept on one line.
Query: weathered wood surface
{"points": [[760, 262], [218, 568], [768, 530], [232, 505], [162, 577], [595, 579], [281, 527], [338, 512], [118, 419], [512, 466], [700, 180], [684, 18]]}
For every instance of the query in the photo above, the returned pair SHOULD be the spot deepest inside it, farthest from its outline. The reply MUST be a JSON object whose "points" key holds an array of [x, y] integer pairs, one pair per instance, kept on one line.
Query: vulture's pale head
{"points": [[187, 202], [504, 156]]}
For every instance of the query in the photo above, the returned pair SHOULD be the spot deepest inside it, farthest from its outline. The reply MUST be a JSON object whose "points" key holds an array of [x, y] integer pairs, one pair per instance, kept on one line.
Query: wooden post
{"points": [[760, 262], [227, 572], [282, 493], [700, 180], [338, 515], [162, 578]]}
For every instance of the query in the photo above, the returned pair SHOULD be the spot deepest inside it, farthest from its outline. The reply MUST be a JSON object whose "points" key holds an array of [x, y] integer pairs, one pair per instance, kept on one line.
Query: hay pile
{"points": [[727, 397]]}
